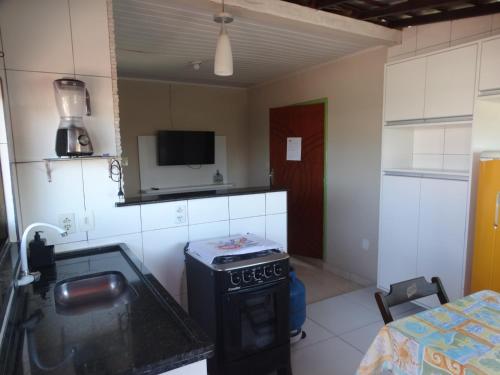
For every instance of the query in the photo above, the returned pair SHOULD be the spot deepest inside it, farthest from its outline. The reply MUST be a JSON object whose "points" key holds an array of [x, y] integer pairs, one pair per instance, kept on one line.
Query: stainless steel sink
{"points": [[97, 291]]}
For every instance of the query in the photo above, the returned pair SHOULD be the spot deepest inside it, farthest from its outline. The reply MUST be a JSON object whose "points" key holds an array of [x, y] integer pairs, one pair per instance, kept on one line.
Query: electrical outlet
{"points": [[67, 222], [86, 223], [365, 244], [180, 214]]}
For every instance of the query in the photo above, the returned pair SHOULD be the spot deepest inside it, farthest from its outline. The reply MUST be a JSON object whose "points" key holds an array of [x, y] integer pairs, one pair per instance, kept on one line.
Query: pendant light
{"points": [[223, 65]]}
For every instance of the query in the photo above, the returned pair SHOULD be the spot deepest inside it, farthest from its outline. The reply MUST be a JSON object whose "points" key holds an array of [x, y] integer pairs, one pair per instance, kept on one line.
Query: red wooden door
{"points": [[304, 179]]}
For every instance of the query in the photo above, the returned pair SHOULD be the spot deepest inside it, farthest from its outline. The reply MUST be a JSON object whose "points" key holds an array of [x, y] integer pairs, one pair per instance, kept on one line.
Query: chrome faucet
{"points": [[27, 277]]}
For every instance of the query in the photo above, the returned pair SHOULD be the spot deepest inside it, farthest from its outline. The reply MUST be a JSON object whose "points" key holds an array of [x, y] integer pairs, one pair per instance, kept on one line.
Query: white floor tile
{"points": [[314, 334], [330, 357], [340, 314], [363, 337]]}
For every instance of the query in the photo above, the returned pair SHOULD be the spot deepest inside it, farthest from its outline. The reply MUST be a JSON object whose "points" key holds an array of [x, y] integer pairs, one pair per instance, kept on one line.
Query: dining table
{"points": [[460, 338]]}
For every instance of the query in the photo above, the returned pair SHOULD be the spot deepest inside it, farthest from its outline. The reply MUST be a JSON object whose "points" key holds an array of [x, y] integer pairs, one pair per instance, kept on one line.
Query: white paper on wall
{"points": [[294, 148]]}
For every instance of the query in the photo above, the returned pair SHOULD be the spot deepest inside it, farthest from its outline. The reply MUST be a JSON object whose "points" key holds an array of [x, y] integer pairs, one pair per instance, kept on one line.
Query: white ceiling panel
{"points": [[158, 39]]}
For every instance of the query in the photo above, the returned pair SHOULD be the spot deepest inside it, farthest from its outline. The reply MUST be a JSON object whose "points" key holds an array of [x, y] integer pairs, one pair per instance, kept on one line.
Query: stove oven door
{"points": [[255, 319]]}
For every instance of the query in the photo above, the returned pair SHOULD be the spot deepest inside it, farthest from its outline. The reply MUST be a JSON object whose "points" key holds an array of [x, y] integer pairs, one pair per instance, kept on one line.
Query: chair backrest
{"points": [[407, 291]]}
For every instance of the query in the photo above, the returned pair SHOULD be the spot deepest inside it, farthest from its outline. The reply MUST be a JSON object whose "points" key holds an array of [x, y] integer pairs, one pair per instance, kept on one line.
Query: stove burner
{"points": [[225, 259]]}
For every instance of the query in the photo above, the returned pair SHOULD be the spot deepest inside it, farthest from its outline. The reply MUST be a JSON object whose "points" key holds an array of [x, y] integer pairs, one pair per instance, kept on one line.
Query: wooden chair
{"points": [[407, 291]]}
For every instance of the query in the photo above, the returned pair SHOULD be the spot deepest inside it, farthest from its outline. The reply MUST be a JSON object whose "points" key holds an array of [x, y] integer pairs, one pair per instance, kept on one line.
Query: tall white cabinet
{"points": [[427, 163]]}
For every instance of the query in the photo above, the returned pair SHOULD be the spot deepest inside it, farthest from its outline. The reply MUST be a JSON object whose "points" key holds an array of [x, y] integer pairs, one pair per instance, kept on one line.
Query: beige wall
{"points": [[144, 109], [354, 88]]}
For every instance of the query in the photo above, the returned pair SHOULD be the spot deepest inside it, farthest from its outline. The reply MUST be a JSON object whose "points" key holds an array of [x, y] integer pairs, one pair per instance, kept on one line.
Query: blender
{"points": [[73, 102]]}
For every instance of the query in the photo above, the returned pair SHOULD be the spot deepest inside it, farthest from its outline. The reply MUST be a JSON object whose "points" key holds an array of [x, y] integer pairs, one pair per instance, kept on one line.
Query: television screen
{"points": [[177, 147]]}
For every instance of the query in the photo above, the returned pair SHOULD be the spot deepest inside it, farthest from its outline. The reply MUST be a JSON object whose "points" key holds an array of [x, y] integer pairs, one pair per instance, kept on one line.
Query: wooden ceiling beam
{"points": [[478, 10], [406, 7]]}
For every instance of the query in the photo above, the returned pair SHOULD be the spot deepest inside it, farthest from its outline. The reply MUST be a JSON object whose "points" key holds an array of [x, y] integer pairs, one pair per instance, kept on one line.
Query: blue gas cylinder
{"points": [[297, 306]]}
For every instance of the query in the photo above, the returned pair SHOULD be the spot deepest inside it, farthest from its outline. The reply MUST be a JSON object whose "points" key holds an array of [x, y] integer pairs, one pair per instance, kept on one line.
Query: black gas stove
{"points": [[242, 302]]}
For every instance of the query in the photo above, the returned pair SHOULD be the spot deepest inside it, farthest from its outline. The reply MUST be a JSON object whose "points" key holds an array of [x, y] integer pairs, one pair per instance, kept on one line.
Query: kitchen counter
{"points": [[150, 199], [149, 334]]}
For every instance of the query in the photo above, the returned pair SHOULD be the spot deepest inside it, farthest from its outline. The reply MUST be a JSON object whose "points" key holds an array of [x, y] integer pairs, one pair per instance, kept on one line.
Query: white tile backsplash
{"points": [[458, 140], [495, 22], [100, 123], [467, 27], [428, 141], [208, 230], [34, 114], [433, 34], [456, 162], [44, 201], [100, 198], [428, 161], [89, 22]]}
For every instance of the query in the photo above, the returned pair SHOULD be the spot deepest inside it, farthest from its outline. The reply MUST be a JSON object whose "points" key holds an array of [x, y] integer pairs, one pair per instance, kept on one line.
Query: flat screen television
{"points": [[176, 147]]}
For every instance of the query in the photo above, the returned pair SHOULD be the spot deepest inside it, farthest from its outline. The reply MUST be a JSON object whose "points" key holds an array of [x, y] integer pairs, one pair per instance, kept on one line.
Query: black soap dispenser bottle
{"points": [[41, 255]]}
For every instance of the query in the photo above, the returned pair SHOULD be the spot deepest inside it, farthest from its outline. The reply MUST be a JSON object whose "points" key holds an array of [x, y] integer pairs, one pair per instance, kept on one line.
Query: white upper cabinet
{"points": [[89, 26], [450, 83], [442, 225], [489, 77], [398, 229], [37, 35], [405, 90]]}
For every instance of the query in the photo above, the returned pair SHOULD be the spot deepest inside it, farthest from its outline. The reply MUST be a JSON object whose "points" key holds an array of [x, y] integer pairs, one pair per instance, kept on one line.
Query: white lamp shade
{"points": [[223, 55]]}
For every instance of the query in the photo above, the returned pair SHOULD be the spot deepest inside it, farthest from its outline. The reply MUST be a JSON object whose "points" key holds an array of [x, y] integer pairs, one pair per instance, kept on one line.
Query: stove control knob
{"points": [[257, 274], [247, 276], [235, 278], [278, 270], [268, 271]]}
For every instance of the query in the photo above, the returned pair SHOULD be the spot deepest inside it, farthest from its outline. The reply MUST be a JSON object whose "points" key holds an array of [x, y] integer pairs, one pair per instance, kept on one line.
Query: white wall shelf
{"points": [[442, 122]]}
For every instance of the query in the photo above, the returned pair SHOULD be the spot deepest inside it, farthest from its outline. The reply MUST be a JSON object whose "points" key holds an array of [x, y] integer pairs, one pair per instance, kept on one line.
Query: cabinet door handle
{"points": [[497, 209]]}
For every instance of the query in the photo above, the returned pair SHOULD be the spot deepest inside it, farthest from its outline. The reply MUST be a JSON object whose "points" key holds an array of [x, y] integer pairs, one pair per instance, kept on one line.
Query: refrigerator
{"points": [[486, 255]]}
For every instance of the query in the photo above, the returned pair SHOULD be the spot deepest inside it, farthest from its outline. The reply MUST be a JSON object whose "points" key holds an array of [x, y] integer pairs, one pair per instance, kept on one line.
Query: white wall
{"points": [[435, 36], [354, 88], [145, 109]]}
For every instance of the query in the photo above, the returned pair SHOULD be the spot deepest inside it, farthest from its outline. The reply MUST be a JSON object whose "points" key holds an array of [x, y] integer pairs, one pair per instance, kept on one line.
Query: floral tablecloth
{"points": [[461, 337]]}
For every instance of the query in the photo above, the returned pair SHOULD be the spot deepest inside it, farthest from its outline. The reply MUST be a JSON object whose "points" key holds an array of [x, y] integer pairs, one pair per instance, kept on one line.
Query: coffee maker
{"points": [[73, 102]]}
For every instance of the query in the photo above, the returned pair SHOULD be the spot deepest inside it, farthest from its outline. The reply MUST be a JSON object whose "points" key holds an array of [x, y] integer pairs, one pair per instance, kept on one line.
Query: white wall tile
{"points": [[408, 44], [208, 230], [164, 215], [428, 141], [247, 206], [255, 225], [433, 34], [456, 162], [100, 198], [100, 125], [467, 27], [89, 30], [457, 140], [44, 201], [34, 114], [133, 241], [164, 256], [208, 210], [37, 36], [428, 161], [495, 23], [276, 203], [276, 229]]}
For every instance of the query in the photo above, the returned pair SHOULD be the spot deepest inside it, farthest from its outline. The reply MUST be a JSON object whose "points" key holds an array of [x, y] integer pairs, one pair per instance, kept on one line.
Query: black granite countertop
{"points": [[150, 334], [149, 199]]}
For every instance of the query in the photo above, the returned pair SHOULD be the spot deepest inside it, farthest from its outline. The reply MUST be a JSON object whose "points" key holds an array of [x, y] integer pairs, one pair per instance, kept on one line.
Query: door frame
{"points": [[324, 101]]}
